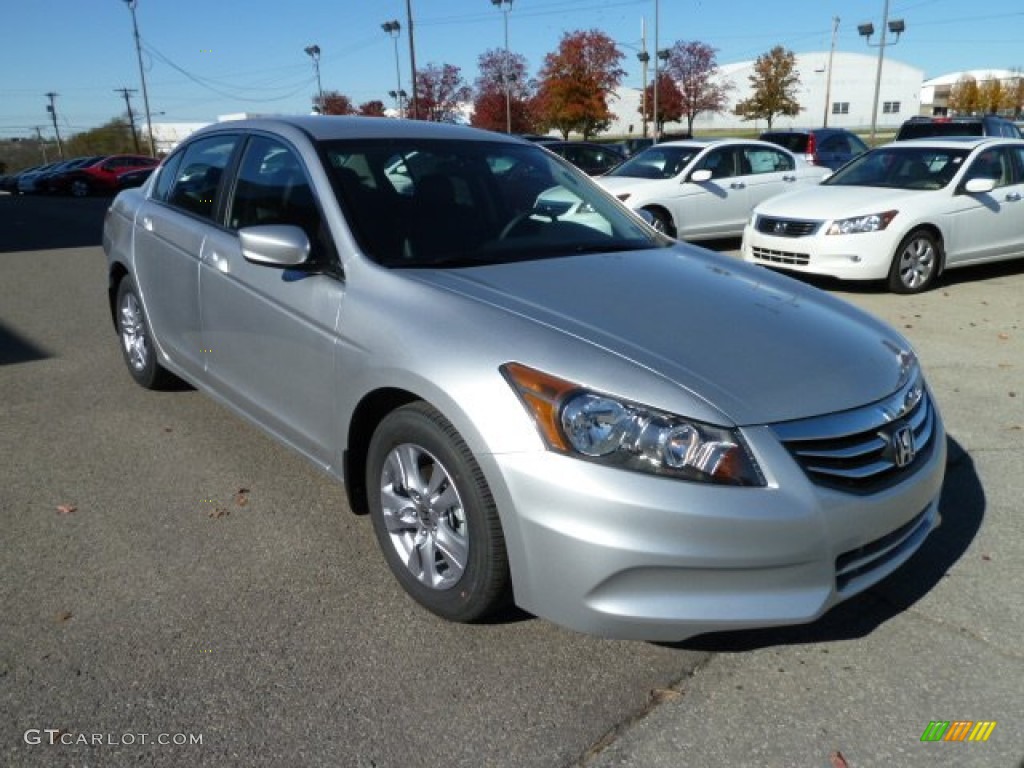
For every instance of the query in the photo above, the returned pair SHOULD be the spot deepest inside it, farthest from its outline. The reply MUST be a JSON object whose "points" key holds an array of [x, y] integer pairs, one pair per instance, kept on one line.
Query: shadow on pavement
{"points": [[962, 508], [37, 223], [15, 348]]}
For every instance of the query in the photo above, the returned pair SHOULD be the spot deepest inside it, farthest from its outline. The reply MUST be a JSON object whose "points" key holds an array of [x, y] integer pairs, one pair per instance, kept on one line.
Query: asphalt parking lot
{"points": [[167, 571]]}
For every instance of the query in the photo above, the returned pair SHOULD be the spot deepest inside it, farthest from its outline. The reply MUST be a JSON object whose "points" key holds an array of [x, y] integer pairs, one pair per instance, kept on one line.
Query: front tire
{"points": [[915, 265], [136, 344], [662, 221], [434, 516]]}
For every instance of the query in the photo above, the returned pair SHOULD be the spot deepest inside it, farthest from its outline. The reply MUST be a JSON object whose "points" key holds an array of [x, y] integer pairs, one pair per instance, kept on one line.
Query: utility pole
{"points": [[412, 59], [52, 109], [656, 137], [42, 142], [644, 58], [142, 76], [131, 116], [828, 77]]}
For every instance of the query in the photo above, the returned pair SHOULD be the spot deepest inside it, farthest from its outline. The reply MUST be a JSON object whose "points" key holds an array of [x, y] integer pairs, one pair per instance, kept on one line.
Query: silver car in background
{"points": [[534, 395]]}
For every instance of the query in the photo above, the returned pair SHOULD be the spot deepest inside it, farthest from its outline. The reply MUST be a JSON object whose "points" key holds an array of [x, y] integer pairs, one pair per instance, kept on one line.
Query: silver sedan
{"points": [[534, 395]]}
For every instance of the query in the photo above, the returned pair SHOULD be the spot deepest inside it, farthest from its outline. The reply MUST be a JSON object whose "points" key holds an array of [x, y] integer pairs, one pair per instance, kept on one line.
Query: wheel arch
{"points": [[117, 273], [936, 232], [659, 209], [369, 413]]}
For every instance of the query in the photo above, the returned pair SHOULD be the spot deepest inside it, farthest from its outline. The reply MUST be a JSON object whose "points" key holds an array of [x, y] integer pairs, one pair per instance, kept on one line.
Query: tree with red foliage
{"points": [[670, 103], [489, 105], [694, 68], [576, 81], [441, 93], [336, 103], [373, 108]]}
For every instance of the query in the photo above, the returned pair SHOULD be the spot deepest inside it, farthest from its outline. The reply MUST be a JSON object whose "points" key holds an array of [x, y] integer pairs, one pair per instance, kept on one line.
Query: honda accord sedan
{"points": [[903, 213], [535, 396]]}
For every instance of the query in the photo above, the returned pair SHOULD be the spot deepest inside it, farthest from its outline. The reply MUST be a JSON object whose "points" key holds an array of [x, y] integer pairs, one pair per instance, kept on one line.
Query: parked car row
{"points": [[81, 176]]}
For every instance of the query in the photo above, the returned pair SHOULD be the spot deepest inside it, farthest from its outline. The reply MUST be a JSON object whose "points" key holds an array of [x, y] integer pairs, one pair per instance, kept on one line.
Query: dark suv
{"points": [[827, 147], [940, 127]]}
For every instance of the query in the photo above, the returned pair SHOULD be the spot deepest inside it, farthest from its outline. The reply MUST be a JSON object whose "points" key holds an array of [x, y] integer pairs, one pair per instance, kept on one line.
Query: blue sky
{"points": [[210, 57]]}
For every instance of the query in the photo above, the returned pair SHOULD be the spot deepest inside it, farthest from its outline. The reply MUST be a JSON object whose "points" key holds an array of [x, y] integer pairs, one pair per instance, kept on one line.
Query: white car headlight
{"points": [[609, 430], [874, 222]]}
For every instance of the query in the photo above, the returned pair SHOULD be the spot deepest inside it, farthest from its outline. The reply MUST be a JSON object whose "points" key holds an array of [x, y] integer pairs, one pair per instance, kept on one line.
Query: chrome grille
{"points": [[860, 451], [771, 225], [780, 257]]}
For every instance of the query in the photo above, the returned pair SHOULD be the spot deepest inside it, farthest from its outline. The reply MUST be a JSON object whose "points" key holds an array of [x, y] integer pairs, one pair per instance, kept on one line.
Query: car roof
{"points": [[957, 142], [703, 143], [328, 127]]}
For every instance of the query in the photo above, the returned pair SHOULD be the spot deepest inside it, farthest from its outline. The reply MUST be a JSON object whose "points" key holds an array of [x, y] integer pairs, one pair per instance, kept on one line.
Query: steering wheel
{"points": [[522, 217]]}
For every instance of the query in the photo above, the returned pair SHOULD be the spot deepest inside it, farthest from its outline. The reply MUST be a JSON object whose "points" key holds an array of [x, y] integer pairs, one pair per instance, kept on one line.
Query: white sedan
{"points": [[901, 212], [702, 190]]}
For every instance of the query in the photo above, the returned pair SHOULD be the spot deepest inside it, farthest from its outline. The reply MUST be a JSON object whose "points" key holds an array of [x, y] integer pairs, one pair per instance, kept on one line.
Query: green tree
{"points": [[112, 138], [774, 83], [576, 82]]}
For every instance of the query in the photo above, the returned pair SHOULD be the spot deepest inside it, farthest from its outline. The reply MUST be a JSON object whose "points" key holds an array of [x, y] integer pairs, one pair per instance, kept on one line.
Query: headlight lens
{"points": [[874, 222], [610, 430]]}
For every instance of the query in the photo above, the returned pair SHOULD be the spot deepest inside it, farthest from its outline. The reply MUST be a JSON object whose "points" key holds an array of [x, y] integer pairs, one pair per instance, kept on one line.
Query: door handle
{"points": [[220, 262], [737, 185], [147, 223], [1013, 197], [789, 178]]}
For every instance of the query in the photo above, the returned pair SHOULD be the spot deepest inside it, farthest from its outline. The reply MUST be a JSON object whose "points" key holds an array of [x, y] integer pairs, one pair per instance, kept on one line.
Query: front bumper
{"points": [[632, 556], [865, 256]]}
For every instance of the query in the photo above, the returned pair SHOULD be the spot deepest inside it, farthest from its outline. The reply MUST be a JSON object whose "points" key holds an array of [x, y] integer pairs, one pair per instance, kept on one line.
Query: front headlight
{"points": [[609, 430], [874, 222]]}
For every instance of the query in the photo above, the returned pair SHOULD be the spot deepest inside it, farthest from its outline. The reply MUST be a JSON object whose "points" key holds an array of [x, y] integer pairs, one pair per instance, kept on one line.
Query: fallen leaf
{"points": [[1004, 336], [168, 429], [242, 497], [837, 760], [219, 512], [64, 617], [659, 695], [986, 558], [1013, 394], [66, 509]]}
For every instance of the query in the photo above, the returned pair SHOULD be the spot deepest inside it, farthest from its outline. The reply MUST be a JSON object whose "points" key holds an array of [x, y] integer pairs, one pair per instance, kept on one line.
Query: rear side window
{"points": [[167, 176], [794, 142], [197, 178]]}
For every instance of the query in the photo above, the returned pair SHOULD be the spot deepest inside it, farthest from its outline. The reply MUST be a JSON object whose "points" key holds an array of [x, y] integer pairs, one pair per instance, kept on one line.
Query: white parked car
{"points": [[702, 190], [903, 213]]}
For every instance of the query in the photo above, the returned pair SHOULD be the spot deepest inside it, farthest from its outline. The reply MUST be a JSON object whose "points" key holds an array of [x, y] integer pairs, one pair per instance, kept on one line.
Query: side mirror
{"points": [[275, 245], [979, 185], [701, 176]]}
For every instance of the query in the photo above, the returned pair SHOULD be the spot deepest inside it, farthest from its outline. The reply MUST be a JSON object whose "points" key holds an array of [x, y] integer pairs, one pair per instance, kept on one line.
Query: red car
{"points": [[99, 177]]}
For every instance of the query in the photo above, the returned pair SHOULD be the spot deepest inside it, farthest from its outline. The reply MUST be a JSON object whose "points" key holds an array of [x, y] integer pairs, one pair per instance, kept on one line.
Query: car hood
{"points": [[619, 184], [757, 346], [825, 202]]}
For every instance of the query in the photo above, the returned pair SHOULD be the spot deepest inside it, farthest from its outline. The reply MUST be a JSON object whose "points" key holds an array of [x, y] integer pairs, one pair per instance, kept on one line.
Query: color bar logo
{"points": [[958, 730]]}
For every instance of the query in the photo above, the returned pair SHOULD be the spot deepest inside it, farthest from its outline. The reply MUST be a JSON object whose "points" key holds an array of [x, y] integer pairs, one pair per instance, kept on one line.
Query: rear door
{"points": [[270, 332], [170, 229], [767, 172]]}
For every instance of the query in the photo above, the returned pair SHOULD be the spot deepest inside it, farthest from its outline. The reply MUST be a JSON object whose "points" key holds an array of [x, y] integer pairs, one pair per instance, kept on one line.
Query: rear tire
{"points": [[916, 263], [136, 343], [80, 188]]}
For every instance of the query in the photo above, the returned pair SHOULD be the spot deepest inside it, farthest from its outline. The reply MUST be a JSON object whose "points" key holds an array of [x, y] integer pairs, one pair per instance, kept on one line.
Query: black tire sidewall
{"points": [[150, 376], [483, 588], [896, 284]]}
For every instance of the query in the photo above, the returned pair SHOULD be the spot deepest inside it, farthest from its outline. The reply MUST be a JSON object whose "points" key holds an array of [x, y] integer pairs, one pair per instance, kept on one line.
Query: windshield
{"points": [[900, 168], [427, 203], [657, 162], [928, 129]]}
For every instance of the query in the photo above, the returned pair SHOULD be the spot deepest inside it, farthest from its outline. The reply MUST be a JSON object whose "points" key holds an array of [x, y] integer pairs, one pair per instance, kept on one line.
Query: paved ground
{"points": [[164, 605]]}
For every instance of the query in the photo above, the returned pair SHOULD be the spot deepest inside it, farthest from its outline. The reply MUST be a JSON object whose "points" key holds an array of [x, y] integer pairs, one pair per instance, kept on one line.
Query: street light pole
{"points": [[394, 29], [412, 59], [897, 27], [828, 76], [313, 51], [655, 71], [644, 57], [142, 77], [505, 6]]}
